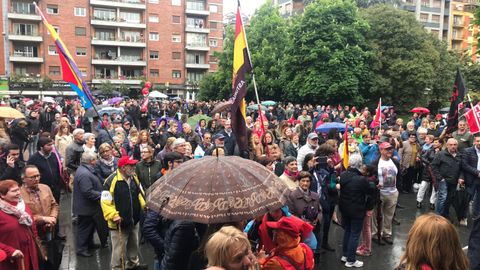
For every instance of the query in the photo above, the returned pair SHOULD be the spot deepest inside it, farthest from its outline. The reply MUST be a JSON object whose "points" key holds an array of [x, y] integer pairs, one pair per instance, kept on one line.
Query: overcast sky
{"points": [[247, 6]]}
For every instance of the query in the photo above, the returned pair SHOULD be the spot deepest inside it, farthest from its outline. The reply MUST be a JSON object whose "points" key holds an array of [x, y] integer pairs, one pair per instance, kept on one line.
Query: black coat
{"points": [[7, 172], [469, 168], [87, 190], [103, 170], [445, 166], [230, 142], [354, 189], [173, 240], [427, 157], [49, 170]]}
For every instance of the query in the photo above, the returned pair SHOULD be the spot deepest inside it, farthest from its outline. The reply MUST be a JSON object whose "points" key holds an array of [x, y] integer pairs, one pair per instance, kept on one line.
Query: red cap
{"points": [[438, 116], [291, 225], [385, 145], [126, 160]]}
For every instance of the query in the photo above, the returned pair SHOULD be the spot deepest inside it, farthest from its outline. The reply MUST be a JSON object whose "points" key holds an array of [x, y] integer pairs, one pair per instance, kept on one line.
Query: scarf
{"points": [[291, 175], [427, 146], [109, 163], [18, 211]]}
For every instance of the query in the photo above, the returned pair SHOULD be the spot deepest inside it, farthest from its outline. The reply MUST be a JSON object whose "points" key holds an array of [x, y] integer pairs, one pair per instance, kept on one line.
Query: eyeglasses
{"points": [[33, 176]]}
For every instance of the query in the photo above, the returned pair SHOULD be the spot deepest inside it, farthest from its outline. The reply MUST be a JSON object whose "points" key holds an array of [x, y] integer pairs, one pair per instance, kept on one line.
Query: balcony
{"points": [[431, 24], [25, 57], [119, 42], [457, 38], [120, 61], [193, 29], [132, 4], [197, 47], [99, 79], [116, 23], [25, 16], [196, 8], [408, 6], [458, 24], [197, 66], [431, 9], [25, 38]]}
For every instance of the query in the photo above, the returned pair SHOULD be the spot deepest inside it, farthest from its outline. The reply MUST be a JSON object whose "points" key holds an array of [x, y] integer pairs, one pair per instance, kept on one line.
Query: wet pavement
{"points": [[384, 257]]}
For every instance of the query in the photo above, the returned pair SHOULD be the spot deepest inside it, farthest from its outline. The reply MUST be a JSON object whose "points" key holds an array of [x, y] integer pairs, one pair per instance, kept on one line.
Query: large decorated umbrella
{"points": [[269, 103], [420, 110], [326, 127], [217, 190], [115, 100], [11, 113], [193, 121]]}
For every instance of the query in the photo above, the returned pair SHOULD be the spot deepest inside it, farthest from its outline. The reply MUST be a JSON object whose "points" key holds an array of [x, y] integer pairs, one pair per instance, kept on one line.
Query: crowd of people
{"points": [[109, 161]]}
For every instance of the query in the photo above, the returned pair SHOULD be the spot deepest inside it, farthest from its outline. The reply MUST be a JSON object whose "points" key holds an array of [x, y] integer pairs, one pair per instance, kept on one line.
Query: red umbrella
{"points": [[421, 110]]}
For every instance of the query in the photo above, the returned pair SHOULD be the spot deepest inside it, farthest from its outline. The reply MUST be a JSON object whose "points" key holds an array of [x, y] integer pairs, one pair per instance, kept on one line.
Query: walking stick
{"points": [[379, 221], [122, 247]]}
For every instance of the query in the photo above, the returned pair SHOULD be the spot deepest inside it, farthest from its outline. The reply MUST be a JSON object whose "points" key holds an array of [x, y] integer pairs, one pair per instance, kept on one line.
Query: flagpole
{"points": [[260, 114]]}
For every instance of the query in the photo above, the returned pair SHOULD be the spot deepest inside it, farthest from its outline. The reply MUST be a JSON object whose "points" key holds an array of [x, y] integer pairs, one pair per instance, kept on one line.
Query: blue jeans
{"points": [[445, 194], [353, 228]]}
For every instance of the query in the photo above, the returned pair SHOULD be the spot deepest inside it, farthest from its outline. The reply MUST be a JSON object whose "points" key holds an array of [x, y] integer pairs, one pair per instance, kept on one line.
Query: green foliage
{"points": [[47, 82], [124, 89], [410, 67], [371, 3], [107, 88], [327, 58]]}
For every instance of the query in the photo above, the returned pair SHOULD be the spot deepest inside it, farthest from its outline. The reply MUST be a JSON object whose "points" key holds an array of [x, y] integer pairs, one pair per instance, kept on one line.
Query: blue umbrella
{"points": [[326, 127], [385, 107], [269, 103]]}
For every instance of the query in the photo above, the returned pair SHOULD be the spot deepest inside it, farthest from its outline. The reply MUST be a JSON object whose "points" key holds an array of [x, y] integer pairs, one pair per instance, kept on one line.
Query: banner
{"points": [[377, 120], [473, 119], [456, 102]]}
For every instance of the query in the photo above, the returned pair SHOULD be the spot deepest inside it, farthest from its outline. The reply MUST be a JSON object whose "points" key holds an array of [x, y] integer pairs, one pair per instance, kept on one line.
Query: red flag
{"points": [[378, 115], [473, 119]]}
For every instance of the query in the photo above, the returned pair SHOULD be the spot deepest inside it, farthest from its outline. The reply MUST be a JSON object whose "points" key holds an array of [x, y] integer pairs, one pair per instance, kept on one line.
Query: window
{"points": [[104, 14], [154, 55], [52, 50], [153, 18], [54, 70], [176, 2], [131, 36], [195, 58], [80, 31], [154, 73], [212, 59], [176, 38], [104, 34], [23, 29], [176, 55], [153, 1], [213, 25], [176, 74], [81, 51], [213, 42], [436, 18], [423, 17], [57, 29], [130, 17], [20, 70], [23, 8], [195, 23], [83, 70], [195, 76], [52, 9], [197, 40], [213, 8], [175, 19], [154, 36], [80, 11]]}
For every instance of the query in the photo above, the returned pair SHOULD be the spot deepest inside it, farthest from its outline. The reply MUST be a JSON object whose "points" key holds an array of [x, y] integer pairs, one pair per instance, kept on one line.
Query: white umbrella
{"points": [[48, 100], [156, 94]]}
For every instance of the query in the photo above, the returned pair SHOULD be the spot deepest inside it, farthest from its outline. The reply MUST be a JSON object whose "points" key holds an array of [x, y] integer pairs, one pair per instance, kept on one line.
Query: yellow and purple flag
{"points": [[70, 72], [241, 66]]}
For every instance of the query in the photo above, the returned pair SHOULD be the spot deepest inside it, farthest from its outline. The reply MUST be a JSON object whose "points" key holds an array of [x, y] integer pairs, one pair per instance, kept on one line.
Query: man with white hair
{"points": [[191, 136], [230, 139], [74, 150], [179, 146], [310, 147]]}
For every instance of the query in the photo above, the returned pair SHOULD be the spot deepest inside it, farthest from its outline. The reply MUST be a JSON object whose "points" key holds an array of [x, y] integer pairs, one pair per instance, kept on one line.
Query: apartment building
{"points": [[168, 42]]}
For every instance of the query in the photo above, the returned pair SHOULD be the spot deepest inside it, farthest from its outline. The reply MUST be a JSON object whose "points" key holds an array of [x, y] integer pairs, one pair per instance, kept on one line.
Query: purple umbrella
{"points": [[115, 100]]}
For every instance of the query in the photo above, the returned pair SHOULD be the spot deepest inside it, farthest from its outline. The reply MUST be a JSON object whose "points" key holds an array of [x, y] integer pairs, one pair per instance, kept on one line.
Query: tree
{"points": [[107, 88], [410, 67], [47, 83], [124, 89], [327, 56]]}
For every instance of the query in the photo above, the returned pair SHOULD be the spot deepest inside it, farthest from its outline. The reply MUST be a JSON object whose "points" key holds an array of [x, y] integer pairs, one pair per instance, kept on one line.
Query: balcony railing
{"points": [[197, 44], [22, 11], [130, 58], [115, 77], [196, 5], [124, 39], [127, 1], [24, 54]]}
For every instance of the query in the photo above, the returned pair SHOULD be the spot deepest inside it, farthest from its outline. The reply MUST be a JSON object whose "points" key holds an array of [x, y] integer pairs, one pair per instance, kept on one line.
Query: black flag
{"points": [[456, 102]]}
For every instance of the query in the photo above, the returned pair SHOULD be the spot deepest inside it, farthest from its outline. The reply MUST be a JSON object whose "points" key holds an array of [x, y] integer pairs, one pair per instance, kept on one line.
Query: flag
{"points": [[70, 72], [456, 102], [241, 66], [345, 147], [473, 119], [377, 120]]}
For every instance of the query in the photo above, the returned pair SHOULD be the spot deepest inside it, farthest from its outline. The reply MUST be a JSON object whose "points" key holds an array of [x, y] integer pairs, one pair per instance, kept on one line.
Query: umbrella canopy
{"points": [[254, 107], [326, 127], [48, 100], [193, 121], [444, 110], [421, 110], [156, 94], [217, 190], [115, 100], [269, 103], [11, 113], [110, 110]]}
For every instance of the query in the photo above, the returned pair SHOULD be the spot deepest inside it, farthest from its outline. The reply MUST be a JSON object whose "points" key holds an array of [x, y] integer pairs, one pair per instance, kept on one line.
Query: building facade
{"points": [[168, 42]]}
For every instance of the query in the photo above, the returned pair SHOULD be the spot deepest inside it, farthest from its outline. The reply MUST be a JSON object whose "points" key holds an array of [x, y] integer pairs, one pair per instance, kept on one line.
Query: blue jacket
{"points": [[87, 189], [370, 152], [469, 167]]}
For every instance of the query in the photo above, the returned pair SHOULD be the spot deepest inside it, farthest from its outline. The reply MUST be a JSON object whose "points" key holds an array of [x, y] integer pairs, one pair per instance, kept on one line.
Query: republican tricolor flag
{"points": [[70, 72], [345, 146], [241, 66]]}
